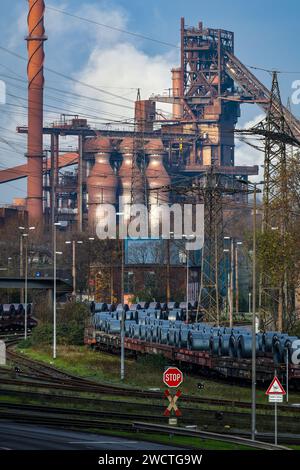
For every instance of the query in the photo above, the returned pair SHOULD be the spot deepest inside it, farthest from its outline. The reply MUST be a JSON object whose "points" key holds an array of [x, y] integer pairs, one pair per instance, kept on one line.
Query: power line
{"points": [[114, 28], [15, 54], [271, 71]]}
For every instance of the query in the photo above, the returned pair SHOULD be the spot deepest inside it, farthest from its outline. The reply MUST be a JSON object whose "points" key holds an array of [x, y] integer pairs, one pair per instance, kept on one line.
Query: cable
{"points": [[102, 25], [271, 71], [15, 54]]}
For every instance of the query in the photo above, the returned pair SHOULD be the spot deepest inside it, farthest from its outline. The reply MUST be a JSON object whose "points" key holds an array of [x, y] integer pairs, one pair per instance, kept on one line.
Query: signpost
{"points": [[275, 393], [172, 378]]}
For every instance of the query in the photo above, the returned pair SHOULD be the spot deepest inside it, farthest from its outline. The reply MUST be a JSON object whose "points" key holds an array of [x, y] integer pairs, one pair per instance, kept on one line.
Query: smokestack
{"points": [[35, 72]]}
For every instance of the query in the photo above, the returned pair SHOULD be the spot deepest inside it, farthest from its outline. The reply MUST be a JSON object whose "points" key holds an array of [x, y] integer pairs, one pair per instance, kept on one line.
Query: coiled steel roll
{"points": [[135, 331], [98, 307], [114, 326], [148, 333], [267, 342], [163, 335], [127, 328], [198, 341], [135, 307], [155, 333], [224, 344], [215, 345], [232, 346], [244, 346], [183, 338], [172, 336], [143, 331]]}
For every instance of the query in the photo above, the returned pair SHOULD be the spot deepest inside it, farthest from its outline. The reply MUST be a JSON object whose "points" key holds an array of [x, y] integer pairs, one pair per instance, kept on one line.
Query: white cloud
{"points": [[247, 155]]}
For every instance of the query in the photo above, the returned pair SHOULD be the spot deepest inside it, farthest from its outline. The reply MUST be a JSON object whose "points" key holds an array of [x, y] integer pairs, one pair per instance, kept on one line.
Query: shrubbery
{"points": [[71, 321]]}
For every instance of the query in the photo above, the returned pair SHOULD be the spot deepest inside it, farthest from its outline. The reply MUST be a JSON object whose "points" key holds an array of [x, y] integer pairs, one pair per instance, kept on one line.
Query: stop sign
{"points": [[173, 377]]}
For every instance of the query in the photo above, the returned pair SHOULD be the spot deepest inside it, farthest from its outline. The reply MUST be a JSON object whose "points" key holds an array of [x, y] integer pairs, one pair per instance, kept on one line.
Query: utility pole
{"points": [[236, 280], [231, 282], [253, 381], [187, 285], [26, 286], [123, 345], [168, 271], [56, 224], [21, 267], [74, 267]]}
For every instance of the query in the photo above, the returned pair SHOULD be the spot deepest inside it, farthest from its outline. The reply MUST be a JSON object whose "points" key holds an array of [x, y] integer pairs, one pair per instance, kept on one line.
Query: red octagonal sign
{"points": [[173, 377]]}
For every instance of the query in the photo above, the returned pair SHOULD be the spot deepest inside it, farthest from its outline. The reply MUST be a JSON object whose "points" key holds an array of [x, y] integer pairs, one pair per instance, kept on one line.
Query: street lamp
{"points": [[26, 236], [56, 224], [91, 239], [230, 275], [253, 375], [237, 290], [73, 243], [187, 277]]}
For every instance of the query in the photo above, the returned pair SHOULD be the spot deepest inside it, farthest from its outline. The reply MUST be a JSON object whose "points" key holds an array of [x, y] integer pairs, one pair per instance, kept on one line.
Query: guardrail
{"points": [[206, 435]]}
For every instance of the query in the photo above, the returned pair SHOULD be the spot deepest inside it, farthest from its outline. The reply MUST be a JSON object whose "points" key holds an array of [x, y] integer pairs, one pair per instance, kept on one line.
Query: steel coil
{"points": [[183, 337], [163, 335], [172, 336], [114, 326], [215, 345], [198, 341]]}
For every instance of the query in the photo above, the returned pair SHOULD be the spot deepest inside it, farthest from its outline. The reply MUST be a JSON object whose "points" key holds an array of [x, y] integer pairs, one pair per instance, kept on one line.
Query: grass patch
{"points": [[145, 372], [177, 441]]}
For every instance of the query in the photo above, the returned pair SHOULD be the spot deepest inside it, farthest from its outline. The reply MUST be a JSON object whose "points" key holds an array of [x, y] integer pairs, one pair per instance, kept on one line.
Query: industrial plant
{"points": [[227, 310]]}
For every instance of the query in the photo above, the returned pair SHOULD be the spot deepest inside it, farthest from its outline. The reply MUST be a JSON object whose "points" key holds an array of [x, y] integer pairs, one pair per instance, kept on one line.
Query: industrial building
{"points": [[140, 163]]}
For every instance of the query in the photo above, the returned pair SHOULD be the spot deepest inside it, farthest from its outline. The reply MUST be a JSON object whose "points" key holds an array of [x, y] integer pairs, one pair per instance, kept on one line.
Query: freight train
{"points": [[12, 317], [162, 329]]}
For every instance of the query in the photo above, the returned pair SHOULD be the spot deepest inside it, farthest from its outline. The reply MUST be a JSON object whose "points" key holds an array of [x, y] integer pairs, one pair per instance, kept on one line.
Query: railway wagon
{"points": [[203, 347]]}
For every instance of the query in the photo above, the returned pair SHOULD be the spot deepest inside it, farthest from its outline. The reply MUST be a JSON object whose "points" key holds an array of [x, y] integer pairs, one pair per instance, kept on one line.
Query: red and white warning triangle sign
{"points": [[275, 388]]}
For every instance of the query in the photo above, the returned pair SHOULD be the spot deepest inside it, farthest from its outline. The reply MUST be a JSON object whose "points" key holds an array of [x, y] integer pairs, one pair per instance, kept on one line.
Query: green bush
{"points": [[71, 321]]}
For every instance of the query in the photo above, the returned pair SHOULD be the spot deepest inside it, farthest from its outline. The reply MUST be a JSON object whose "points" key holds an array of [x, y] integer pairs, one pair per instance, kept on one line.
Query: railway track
{"points": [[55, 378], [47, 377]]}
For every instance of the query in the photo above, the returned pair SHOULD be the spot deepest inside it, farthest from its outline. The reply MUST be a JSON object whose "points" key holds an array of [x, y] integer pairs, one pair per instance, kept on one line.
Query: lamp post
{"points": [[237, 290], [230, 276], [74, 275], [187, 277], [56, 224], [26, 236], [91, 239], [253, 384], [122, 369]]}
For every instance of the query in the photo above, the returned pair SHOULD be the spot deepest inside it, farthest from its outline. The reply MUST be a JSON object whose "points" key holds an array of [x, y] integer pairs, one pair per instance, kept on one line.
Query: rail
{"points": [[207, 435]]}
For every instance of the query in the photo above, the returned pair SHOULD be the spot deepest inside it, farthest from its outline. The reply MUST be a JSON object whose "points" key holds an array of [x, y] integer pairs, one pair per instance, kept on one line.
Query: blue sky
{"points": [[266, 35]]}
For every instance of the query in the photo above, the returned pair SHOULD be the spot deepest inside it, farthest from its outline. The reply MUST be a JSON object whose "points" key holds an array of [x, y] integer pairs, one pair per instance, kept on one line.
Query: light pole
{"points": [[26, 236], [56, 224], [237, 290], [230, 287], [253, 379], [91, 239], [253, 388], [250, 295], [187, 277], [73, 243]]}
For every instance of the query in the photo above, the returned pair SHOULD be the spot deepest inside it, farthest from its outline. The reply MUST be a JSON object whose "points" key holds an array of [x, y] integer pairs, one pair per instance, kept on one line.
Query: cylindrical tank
{"points": [[127, 177], [176, 87], [157, 176], [102, 183]]}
